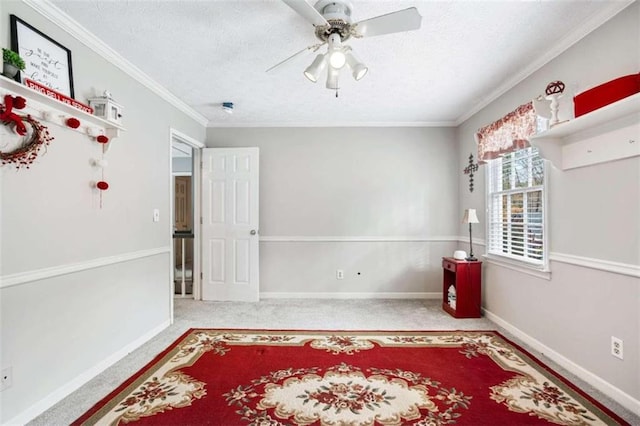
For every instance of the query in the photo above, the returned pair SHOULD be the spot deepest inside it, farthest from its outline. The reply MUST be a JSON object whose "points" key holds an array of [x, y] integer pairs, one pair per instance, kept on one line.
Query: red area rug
{"points": [[260, 377]]}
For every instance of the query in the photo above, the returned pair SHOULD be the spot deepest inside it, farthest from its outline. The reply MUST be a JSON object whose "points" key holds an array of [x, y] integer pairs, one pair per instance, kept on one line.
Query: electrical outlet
{"points": [[339, 274], [156, 215], [6, 378], [617, 348]]}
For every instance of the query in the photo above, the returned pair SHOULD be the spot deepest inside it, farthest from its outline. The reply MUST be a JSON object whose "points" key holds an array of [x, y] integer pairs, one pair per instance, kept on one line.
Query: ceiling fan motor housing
{"points": [[338, 14]]}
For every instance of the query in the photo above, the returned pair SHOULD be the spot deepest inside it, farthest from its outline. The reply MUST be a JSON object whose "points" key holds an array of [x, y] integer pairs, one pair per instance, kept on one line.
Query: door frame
{"points": [[177, 136]]}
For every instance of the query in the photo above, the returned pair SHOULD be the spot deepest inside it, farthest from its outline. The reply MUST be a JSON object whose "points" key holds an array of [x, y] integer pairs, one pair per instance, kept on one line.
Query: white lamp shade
{"points": [[470, 216], [332, 79], [358, 69], [337, 57], [317, 66]]}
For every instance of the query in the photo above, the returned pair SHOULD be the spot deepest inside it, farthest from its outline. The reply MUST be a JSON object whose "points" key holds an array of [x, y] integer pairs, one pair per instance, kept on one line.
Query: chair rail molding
{"points": [[599, 264], [45, 273], [629, 269], [348, 239]]}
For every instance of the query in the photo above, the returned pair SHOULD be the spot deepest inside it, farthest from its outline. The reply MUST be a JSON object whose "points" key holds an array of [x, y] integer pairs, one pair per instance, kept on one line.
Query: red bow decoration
{"points": [[7, 116]]}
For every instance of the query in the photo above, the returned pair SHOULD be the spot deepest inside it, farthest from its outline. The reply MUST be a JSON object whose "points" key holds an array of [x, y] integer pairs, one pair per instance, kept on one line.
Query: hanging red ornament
{"points": [[102, 139], [19, 102], [102, 185], [72, 122]]}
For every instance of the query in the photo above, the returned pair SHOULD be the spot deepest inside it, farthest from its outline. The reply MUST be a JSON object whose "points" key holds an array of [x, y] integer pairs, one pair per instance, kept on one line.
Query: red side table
{"points": [[466, 279]]}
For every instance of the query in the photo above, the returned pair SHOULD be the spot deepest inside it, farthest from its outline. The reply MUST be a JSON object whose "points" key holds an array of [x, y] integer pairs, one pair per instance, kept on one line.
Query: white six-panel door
{"points": [[230, 224]]}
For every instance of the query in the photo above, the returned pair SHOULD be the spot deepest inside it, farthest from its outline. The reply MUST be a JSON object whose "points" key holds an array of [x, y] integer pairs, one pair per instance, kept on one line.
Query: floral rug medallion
{"points": [[272, 378]]}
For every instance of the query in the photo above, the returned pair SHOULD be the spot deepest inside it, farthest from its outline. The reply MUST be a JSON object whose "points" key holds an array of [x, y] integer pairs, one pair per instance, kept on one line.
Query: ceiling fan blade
{"points": [[395, 22], [307, 11], [314, 48]]}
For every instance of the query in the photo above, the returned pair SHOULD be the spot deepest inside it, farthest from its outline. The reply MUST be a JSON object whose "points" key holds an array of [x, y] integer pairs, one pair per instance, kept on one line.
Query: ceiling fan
{"points": [[333, 26]]}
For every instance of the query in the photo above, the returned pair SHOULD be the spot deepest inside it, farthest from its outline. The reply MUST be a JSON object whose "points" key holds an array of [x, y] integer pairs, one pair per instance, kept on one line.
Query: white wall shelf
{"points": [[51, 110], [606, 134]]}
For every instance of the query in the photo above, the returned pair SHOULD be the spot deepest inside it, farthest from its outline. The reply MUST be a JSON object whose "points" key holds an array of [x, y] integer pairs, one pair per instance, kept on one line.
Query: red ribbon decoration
{"points": [[7, 116]]}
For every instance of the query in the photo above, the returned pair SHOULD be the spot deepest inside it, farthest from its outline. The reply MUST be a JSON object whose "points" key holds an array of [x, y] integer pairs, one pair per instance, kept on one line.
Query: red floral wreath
{"points": [[25, 154]]}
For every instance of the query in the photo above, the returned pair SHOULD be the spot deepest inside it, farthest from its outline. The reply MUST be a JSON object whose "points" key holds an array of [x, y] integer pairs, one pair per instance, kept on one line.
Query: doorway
{"points": [[185, 255]]}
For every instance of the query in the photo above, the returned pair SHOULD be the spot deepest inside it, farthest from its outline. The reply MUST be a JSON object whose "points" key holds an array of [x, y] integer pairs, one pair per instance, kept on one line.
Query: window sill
{"points": [[514, 265]]}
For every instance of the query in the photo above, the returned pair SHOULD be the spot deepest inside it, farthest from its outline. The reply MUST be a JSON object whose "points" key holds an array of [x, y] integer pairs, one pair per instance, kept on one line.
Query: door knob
{"points": [[253, 232]]}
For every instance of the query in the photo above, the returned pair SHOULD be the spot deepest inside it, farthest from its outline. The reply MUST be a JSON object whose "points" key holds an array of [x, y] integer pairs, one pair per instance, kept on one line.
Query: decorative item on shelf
{"points": [[73, 122], [105, 107], [11, 63], [606, 93], [41, 88], [49, 62], [470, 170], [25, 153], [470, 217], [553, 93], [542, 107]]}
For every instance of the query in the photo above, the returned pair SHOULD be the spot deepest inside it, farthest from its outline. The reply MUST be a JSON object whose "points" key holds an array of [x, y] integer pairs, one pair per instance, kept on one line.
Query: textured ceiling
{"points": [[209, 52]]}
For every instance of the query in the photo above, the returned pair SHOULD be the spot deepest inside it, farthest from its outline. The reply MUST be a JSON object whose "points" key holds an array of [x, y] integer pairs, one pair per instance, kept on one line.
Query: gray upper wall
{"points": [[352, 181], [59, 181]]}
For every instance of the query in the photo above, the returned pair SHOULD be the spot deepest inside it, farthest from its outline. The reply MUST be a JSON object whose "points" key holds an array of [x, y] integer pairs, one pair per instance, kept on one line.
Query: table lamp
{"points": [[470, 217]]}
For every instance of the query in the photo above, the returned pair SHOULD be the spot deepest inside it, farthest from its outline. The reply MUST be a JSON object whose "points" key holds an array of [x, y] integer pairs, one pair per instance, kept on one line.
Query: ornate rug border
{"points": [[111, 399]]}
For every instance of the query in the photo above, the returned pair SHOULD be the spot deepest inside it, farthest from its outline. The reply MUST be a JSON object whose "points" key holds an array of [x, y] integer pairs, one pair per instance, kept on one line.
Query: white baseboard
{"points": [[320, 295], [597, 382], [65, 390]]}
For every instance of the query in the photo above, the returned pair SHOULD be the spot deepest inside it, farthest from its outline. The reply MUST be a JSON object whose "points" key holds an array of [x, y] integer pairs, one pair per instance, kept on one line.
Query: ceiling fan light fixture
{"points": [[336, 51], [358, 69], [317, 66], [332, 78], [359, 72], [337, 59]]}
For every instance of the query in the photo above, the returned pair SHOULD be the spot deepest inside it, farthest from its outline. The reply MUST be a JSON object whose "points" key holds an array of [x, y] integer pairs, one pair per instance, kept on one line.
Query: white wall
{"points": [[57, 329], [182, 164], [326, 192], [593, 217]]}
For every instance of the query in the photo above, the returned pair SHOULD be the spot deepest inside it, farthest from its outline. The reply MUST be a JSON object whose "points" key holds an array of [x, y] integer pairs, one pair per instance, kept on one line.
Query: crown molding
{"points": [[341, 124], [68, 24], [588, 26]]}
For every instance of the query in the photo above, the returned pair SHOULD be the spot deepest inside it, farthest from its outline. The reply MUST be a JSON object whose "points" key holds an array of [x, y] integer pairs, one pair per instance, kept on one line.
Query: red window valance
{"points": [[510, 133]]}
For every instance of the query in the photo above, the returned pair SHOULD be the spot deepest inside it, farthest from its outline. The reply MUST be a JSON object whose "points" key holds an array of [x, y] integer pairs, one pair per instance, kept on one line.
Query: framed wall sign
{"points": [[47, 61]]}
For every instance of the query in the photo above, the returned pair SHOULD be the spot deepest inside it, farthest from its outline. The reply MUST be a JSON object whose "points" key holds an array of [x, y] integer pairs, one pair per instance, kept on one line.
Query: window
{"points": [[516, 208]]}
